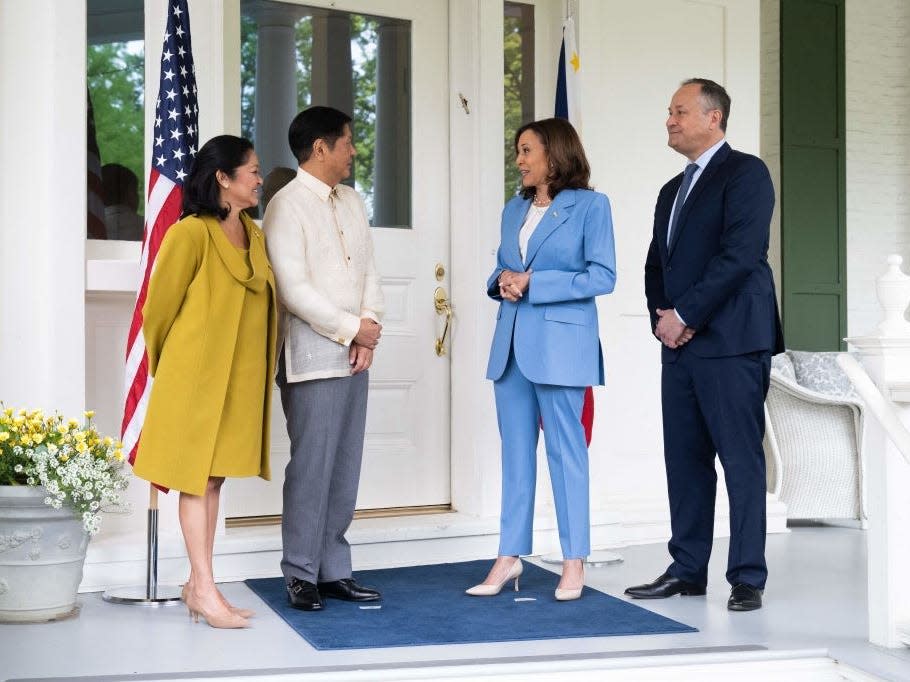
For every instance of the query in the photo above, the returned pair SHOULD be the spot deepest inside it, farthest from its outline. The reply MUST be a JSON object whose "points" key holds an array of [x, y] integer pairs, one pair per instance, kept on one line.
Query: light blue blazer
{"points": [[553, 328]]}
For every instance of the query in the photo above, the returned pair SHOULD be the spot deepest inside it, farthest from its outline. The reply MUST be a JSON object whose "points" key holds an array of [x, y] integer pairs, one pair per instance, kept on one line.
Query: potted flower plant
{"points": [[56, 477]]}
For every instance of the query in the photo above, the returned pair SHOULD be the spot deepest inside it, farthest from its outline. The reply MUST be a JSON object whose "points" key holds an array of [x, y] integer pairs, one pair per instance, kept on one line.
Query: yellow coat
{"points": [[191, 320]]}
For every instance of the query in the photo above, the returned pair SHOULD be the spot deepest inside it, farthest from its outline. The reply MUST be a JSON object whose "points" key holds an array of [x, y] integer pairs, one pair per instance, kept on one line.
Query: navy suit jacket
{"points": [[715, 270]]}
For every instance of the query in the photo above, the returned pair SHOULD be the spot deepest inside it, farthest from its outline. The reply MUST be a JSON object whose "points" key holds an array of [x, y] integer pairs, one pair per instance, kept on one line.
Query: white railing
{"points": [[880, 407]]}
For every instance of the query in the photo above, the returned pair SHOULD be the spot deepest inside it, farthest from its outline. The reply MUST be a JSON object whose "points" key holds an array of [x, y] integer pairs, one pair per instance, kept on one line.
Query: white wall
{"points": [[634, 56], [878, 150]]}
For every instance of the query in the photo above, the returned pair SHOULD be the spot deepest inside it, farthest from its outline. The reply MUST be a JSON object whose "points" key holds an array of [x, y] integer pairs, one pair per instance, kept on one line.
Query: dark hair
{"points": [[713, 96], [569, 168], [201, 192], [312, 124], [274, 181], [119, 185]]}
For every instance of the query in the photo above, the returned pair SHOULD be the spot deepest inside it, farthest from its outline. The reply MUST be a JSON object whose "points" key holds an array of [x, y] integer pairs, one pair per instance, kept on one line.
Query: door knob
{"points": [[443, 307]]}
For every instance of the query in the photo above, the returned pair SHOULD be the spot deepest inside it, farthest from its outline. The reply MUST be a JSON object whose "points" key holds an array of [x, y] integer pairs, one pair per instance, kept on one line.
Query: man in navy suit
{"points": [[711, 300]]}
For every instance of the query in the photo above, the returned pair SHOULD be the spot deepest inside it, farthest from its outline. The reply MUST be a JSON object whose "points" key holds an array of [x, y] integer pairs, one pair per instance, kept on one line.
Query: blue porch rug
{"points": [[427, 605]]}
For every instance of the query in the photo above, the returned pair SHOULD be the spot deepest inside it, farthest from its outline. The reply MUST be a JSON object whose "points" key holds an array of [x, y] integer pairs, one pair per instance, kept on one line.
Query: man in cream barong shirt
{"points": [[319, 243]]}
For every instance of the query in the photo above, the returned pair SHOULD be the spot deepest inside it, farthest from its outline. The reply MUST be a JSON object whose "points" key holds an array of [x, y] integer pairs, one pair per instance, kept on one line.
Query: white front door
{"points": [[406, 452]]}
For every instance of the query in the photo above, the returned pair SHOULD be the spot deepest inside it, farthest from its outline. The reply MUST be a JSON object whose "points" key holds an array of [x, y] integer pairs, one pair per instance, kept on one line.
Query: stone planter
{"points": [[41, 555]]}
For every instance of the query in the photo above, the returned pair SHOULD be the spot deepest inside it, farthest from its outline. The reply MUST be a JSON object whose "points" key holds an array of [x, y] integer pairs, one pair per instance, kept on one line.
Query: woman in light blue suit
{"points": [[556, 255]]}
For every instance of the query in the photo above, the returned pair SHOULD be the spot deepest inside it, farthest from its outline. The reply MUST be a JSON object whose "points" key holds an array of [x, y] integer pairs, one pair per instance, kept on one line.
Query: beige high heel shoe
{"points": [[225, 619], [484, 590], [570, 594], [243, 613]]}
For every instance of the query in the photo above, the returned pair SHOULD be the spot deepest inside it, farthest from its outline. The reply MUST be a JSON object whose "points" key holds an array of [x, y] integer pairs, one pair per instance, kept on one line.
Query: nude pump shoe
{"points": [[483, 590], [569, 594], [236, 610], [225, 619]]}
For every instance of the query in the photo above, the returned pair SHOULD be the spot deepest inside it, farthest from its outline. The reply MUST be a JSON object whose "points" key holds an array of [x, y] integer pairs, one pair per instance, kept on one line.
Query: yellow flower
{"points": [[26, 439], [38, 438], [108, 441], [79, 436], [63, 458], [89, 414], [81, 447], [119, 455], [62, 428], [4, 435], [73, 424]]}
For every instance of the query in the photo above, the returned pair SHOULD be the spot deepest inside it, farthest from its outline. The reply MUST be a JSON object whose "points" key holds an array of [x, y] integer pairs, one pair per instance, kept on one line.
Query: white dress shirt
{"points": [[321, 249], [532, 219]]}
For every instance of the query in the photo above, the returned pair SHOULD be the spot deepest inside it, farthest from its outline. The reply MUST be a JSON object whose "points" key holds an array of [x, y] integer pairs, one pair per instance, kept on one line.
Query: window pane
{"points": [[294, 56], [518, 49], [116, 82]]}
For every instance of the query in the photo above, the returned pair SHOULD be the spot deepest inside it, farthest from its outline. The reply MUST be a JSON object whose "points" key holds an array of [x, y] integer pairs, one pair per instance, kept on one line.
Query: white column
{"points": [[392, 165], [885, 354], [43, 205], [332, 82], [276, 85]]}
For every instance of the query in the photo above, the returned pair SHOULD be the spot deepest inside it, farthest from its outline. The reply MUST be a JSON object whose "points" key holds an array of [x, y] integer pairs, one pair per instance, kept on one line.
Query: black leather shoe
{"points": [[303, 595], [744, 598], [665, 586], [347, 589]]}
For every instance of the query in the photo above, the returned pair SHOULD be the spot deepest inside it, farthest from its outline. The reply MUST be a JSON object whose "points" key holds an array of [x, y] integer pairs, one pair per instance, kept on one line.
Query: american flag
{"points": [[567, 107], [173, 151]]}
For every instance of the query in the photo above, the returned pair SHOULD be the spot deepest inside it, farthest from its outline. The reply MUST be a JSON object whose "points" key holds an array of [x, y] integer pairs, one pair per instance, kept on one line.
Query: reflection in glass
{"points": [[116, 81], [293, 56], [518, 52]]}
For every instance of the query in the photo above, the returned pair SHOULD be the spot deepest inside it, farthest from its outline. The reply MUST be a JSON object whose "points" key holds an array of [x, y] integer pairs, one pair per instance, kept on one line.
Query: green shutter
{"points": [[813, 174]]}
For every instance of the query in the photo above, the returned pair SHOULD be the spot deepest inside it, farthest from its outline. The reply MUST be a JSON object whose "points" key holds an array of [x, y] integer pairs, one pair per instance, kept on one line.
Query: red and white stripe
{"points": [[163, 208]]}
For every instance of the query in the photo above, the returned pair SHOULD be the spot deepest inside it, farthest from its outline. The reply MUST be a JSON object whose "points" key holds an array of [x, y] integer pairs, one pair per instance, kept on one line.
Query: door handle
{"points": [[442, 307]]}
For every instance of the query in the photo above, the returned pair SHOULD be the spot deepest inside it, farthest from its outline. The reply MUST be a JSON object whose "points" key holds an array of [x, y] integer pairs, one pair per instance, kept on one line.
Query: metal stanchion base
{"points": [[164, 595], [597, 558]]}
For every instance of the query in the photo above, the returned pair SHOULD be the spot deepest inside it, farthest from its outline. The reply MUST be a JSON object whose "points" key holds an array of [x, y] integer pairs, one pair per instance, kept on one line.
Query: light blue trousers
{"points": [[520, 404]]}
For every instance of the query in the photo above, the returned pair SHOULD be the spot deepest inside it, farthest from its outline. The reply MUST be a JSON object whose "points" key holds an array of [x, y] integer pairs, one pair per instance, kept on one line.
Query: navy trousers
{"points": [[716, 405]]}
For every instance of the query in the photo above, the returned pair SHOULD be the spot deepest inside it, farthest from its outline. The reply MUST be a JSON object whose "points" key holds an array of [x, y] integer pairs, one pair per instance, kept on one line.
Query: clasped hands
{"points": [[670, 329], [513, 285], [360, 356]]}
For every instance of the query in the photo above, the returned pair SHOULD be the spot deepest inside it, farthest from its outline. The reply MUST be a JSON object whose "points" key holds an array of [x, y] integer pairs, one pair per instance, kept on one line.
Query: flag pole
{"points": [[150, 594], [566, 107], [177, 130]]}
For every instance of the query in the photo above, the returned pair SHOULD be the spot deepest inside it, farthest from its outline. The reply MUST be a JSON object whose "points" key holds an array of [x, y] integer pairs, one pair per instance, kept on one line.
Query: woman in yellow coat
{"points": [[210, 328]]}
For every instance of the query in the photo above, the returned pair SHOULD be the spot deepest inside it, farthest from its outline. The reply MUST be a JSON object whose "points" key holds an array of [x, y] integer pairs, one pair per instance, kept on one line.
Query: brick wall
{"points": [[878, 150]]}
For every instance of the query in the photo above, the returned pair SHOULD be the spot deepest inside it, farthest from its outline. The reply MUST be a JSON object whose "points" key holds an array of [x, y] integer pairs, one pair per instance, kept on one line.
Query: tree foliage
{"points": [[363, 56], [512, 100], [116, 81]]}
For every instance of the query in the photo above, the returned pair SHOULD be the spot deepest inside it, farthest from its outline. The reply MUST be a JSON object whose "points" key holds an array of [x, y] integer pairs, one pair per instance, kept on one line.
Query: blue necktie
{"points": [[681, 197]]}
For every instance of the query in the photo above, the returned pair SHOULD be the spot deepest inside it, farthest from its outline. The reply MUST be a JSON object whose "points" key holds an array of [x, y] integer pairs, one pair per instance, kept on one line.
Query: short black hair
{"points": [[201, 192], [312, 124], [715, 97]]}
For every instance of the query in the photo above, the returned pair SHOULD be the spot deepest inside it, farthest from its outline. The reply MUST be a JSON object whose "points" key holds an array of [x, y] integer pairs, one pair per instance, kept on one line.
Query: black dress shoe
{"points": [[665, 586], [347, 589], [744, 598], [303, 595]]}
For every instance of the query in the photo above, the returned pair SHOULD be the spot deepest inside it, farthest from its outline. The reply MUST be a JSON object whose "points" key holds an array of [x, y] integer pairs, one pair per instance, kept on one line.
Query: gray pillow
{"points": [[819, 372]]}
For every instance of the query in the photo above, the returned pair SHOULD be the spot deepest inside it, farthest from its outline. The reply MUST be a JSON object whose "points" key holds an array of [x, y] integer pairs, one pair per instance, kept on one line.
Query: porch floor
{"points": [[815, 602]]}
